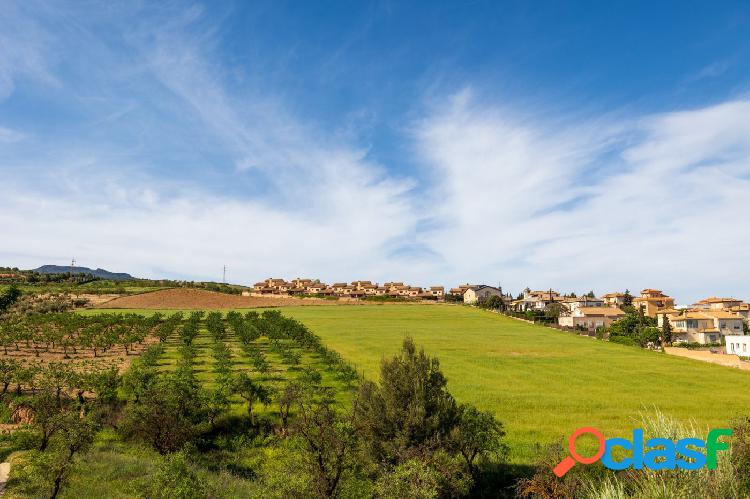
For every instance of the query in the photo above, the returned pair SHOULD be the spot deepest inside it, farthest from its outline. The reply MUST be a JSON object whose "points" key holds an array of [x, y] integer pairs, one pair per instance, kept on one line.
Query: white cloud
{"points": [[523, 206], [326, 210]]}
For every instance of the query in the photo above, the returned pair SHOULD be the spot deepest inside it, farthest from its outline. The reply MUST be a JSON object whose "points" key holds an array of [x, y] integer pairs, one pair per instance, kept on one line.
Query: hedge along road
{"points": [[542, 383]]}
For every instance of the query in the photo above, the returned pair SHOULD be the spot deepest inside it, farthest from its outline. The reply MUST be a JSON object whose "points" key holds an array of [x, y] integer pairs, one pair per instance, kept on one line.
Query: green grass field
{"points": [[542, 383]]}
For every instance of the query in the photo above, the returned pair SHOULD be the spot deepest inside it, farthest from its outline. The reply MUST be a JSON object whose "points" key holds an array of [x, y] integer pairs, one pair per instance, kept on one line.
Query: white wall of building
{"points": [[738, 345]]}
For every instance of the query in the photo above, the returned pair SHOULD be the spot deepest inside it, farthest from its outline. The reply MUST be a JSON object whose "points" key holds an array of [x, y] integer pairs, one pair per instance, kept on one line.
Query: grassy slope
{"points": [[542, 383]]}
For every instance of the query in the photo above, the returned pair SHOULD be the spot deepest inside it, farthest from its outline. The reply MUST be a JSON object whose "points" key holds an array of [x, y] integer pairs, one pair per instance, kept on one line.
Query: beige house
{"points": [[733, 305], [743, 310], [319, 289], [714, 303], [652, 301], [591, 318], [300, 283], [701, 326], [614, 299], [481, 292]]}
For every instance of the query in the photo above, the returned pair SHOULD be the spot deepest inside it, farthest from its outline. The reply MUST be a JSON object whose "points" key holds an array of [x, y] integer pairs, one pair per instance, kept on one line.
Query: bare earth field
{"points": [[198, 299]]}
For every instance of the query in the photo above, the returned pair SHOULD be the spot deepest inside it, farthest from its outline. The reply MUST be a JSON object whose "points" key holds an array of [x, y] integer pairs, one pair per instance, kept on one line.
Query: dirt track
{"points": [[705, 356], [198, 299]]}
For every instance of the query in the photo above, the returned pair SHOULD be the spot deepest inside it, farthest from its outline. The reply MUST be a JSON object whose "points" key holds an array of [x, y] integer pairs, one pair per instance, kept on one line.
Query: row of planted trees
{"points": [[73, 334]]}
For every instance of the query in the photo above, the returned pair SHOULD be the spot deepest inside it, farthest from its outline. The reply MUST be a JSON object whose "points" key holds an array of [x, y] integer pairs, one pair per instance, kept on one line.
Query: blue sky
{"points": [[567, 145]]}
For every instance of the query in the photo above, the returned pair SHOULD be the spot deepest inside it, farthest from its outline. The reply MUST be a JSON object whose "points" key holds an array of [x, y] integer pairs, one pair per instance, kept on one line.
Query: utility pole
{"points": [[224, 277]]}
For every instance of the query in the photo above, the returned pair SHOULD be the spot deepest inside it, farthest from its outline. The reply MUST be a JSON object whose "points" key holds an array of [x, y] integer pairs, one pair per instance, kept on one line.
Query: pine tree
{"points": [[666, 331]]}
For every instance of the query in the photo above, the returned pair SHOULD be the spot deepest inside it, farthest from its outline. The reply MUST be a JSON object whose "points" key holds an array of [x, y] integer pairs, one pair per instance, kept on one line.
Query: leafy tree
{"points": [[48, 417], [168, 414], [138, 381], [330, 443], [649, 334], [252, 392], [410, 410], [494, 302], [554, 310], [216, 402], [636, 326], [8, 370], [9, 297], [289, 396], [75, 437], [414, 479], [478, 434], [176, 479]]}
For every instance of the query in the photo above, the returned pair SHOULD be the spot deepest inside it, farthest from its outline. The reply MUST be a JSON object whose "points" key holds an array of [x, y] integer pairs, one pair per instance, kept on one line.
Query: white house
{"points": [[738, 345]]}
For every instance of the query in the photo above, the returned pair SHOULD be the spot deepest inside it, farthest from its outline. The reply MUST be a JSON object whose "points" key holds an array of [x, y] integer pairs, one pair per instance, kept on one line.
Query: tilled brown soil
{"points": [[198, 299]]}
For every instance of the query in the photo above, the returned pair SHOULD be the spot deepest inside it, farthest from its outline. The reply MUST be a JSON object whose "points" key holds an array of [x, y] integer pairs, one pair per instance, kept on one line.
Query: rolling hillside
{"points": [[541, 382]]}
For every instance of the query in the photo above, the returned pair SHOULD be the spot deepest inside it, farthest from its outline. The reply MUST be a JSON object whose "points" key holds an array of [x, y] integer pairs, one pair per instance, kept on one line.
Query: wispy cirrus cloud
{"points": [[324, 207]]}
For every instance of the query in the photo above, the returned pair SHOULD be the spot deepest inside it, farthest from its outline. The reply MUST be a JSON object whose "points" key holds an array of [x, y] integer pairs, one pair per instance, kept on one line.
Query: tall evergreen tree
{"points": [[666, 331]]}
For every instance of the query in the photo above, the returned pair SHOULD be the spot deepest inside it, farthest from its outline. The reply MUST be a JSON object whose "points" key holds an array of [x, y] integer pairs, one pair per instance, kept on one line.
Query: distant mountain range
{"points": [[101, 273]]}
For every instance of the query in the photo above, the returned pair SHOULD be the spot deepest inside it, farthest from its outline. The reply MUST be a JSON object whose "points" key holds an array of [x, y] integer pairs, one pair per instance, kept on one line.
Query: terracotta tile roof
{"points": [[714, 299], [706, 315]]}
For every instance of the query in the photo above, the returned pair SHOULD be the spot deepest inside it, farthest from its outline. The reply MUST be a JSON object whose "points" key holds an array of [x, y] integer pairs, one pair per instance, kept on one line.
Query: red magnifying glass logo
{"points": [[567, 463]]}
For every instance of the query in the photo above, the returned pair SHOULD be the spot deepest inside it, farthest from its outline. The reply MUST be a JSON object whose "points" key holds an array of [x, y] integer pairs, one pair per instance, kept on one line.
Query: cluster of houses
{"points": [[355, 290], [712, 320]]}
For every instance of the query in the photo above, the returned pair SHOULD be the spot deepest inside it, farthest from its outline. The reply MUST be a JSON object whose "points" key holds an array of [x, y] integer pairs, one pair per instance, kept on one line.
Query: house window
{"points": [[744, 347]]}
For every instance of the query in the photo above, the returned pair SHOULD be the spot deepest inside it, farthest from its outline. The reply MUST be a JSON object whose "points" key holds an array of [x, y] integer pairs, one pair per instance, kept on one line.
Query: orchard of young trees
{"points": [[255, 396]]}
